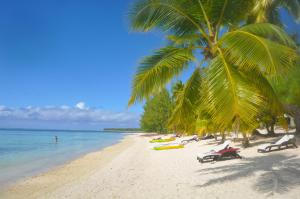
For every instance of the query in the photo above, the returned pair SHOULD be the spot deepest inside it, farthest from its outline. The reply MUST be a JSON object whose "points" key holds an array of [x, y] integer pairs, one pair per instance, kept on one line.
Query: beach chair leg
{"points": [[269, 149]]}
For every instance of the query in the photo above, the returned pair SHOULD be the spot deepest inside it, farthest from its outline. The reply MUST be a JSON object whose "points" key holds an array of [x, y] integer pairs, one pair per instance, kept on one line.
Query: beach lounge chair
{"points": [[195, 138], [207, 137], [285, 142], [220, 152]]}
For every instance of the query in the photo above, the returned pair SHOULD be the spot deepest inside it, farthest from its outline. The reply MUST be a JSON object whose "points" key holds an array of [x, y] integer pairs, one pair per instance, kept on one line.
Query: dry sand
{"points": [[132, 170]]}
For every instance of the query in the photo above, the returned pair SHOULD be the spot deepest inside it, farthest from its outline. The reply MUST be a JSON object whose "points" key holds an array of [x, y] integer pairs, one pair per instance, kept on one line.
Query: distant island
{"points": [[123, 129]]}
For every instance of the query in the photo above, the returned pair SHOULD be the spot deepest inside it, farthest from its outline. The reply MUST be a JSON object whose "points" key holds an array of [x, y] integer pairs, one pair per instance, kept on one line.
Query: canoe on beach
{"points": [[168, 146], [162, 140]]}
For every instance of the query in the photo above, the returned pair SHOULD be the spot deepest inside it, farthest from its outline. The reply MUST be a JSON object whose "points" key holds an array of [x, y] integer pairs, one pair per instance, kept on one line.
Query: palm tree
{"points": [[176, 89], [232, 61], [268, 11]]}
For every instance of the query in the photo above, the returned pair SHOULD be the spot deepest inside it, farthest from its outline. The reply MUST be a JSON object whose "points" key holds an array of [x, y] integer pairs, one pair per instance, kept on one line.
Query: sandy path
{"points": [[132, 170]]}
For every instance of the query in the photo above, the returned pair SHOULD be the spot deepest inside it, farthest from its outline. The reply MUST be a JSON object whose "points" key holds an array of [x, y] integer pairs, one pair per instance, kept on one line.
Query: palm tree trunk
{"points": [[215, 135], [270, 129], [245, 140], [297, 122], [294, 111], [223, 137]]}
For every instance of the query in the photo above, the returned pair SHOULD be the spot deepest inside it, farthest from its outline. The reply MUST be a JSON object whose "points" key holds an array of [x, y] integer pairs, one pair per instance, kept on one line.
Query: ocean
{"points": [[24, 153]]}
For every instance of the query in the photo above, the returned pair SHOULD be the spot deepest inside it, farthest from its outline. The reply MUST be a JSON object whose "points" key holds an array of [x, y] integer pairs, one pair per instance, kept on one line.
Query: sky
{"points": [[68, 64], [61, 53]]}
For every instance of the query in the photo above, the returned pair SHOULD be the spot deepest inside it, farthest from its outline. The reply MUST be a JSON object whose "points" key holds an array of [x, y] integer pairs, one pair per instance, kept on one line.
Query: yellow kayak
{"points": [[162, 140], [167, 147]]}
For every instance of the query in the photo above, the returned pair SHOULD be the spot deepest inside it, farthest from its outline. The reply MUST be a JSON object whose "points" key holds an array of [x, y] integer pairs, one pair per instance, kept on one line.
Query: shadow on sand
{"points": [[257, 143], [279, 173]]}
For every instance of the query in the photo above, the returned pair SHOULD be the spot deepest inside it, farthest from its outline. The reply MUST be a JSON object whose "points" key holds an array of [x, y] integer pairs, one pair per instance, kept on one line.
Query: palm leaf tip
{"points": [[157, 70]]}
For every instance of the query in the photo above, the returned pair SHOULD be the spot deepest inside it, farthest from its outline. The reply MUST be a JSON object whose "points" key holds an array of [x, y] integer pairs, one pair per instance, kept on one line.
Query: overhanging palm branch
{"points": [[230, 95], [180, 16], [157, 70], [184, 115], [246, 49], [271, 32]]}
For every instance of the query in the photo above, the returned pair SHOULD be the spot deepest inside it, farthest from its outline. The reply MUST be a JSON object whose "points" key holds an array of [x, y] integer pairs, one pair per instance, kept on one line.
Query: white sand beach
{"points": [[131, 170]]}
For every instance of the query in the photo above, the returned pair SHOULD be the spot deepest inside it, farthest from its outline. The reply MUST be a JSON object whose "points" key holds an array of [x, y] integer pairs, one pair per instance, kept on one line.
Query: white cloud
{"points": [[80, 105], [56, 115]]}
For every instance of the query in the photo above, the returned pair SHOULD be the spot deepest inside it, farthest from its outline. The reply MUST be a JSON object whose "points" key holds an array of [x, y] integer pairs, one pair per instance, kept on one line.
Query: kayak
{"points": [[167, 147], [162, 140]]}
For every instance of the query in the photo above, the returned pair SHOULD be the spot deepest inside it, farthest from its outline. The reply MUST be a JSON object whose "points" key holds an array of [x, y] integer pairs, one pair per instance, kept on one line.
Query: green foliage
{"points": [[156, 113], [268, 11], [176, 89], [184, 114], [288, 87], [157, 70], [239, 61], [186, 16]]}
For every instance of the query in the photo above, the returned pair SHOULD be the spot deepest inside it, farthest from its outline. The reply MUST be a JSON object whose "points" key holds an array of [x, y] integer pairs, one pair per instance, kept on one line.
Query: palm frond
{"points": [[265, 89], [226, 12], [185, 16], [293, 6], [157, 70], [249, 50], [187, 40], [270, 31], [184, 114], [229, 95], [178, 16], [269, 11]]}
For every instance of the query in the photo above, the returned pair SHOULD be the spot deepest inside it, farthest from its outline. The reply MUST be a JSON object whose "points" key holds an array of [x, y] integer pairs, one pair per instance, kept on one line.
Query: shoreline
{"points": [[43, 164], [131, 170], [103, 157]]}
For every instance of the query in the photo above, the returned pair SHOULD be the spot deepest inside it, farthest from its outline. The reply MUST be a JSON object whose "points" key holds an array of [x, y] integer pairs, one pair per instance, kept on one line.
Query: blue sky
{"points": [[63, 56], [55, 53]]}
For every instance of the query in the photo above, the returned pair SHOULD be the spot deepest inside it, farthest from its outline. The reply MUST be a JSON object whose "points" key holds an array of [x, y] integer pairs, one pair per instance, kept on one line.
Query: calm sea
{"points": [[24, 153]]}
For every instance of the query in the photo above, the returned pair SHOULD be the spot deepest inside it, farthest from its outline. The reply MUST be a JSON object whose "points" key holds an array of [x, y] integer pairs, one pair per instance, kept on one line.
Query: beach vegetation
{"points": [[156, 113], [288, 89], [234, 60]]}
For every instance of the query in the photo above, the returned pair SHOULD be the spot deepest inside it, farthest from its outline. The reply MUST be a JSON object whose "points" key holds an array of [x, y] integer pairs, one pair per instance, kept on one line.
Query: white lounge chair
{"points": [[286, 141]]}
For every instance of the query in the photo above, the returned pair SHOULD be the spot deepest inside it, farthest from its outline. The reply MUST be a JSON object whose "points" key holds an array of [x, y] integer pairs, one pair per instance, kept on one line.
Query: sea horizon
{"points": [[119, 130]]}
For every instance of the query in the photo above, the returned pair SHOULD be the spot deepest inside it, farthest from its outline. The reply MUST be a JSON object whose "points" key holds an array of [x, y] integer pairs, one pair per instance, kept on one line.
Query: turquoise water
{"points": [[24, 153]]}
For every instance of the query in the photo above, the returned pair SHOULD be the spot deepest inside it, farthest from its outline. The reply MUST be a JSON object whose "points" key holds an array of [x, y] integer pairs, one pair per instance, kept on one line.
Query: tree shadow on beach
{"points": [[257, 142], [279, 173]]}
